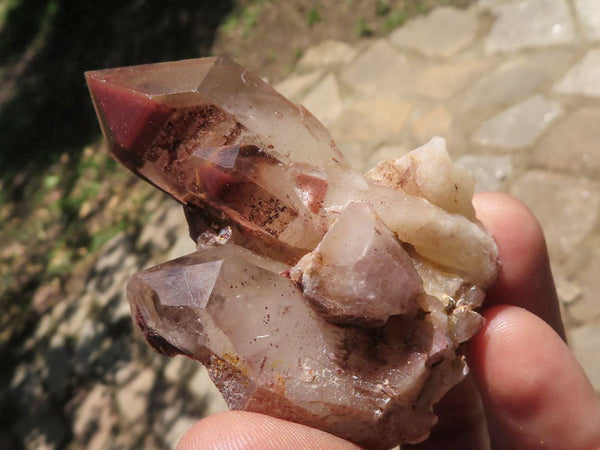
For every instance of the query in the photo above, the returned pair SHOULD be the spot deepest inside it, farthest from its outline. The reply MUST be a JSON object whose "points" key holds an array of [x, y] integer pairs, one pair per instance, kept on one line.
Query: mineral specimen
{"points": [[317, 294]]}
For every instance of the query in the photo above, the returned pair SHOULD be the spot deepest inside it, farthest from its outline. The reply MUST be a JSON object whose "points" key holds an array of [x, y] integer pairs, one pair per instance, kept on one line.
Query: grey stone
{"points": [[588, 12], [105, 291], [46, 324], [567, 291], [94, 419], [443, 32], [584, 78], [583, 310], [440, 81], [178, 429], [530, 23], [72, 321], [520, 125], [586, 307], [178, 369], [162, 228], [567, 207], [381, 68], [113, 252], [106, 283], [133, 398], [573, 144], [327, 53], [20, 374], [490, 172], [182, 246], [514, 80], [585, 342], [436, 122], [296, 84], [172, 371], [324, 101], [121, 310], [375, 120], [127, 372]]}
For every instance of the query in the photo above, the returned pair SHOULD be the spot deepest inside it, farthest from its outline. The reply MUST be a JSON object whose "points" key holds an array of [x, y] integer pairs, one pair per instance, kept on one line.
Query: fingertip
{"points": [[236, 430], [525, 277], [532, 387], [500, 213], [505, 352], [517, 232]]}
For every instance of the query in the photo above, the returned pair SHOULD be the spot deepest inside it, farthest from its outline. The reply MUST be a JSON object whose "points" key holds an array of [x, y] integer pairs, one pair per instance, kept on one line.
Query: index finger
{"points": [[525, 278]]}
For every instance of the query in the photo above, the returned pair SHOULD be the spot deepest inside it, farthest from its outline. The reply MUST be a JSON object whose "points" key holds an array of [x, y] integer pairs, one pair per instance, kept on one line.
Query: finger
{"points": [[236, 430], [534, 392], [525, 277]]}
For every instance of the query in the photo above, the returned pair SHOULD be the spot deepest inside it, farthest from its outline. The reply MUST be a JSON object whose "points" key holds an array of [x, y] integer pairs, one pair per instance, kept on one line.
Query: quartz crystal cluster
{"points": [[317, 294]]}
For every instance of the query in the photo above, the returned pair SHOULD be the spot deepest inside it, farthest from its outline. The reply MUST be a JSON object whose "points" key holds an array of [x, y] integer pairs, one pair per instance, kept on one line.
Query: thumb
{"points": [[534, 391], [239, 430]]}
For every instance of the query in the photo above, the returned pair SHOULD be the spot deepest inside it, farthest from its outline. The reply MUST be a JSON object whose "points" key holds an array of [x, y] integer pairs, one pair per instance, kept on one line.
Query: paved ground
{"points": [[514, 86]]}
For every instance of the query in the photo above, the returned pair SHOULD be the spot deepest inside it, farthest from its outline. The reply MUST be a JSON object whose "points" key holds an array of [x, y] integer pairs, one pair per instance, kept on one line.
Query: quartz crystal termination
{"points": [[316, 294]]}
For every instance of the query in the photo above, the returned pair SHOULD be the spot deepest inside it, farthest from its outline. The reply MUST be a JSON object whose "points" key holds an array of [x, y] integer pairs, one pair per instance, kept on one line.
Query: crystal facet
{"points": [[317, 294]]}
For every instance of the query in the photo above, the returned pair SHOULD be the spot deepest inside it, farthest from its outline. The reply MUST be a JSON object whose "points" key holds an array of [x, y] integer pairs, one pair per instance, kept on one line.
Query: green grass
{"points": [[362, 28], [243, 18], [313, 17], [394, 19]]}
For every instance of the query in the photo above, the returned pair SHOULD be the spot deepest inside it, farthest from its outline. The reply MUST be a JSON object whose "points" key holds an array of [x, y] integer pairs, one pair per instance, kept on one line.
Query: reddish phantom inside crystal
{"points": [[317, 294]]}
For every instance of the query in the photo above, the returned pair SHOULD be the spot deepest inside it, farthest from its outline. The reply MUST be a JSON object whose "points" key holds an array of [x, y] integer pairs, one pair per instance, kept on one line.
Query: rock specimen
{"points": [[317, 294]]}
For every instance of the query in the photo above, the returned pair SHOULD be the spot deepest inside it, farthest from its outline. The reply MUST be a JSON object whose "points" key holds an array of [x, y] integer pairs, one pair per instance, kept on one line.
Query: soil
{"points": [[269, 37]]}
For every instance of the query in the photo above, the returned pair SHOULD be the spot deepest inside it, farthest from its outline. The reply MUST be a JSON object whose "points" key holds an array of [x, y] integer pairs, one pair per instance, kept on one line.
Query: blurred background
{"points": [[513, 85]]}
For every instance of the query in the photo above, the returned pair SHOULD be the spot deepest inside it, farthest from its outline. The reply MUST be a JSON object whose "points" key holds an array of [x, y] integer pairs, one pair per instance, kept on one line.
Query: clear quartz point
{"points": [[318, 294]]}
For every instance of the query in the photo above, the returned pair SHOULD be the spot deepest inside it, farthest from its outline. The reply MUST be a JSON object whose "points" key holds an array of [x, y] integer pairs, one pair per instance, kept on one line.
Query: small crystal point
{"points": [[359, 273], [318, 294]]}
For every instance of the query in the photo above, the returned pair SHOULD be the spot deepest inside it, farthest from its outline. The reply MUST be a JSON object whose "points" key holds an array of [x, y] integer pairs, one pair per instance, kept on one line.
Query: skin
{"points": [[526, 389]]}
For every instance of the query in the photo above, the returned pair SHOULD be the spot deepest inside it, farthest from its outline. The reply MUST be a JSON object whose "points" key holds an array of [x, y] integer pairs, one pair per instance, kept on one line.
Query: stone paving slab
{"points": [[584, 307], [440, 81], [381, 65], [443, 32], [530, 24], [568, 207], [514, 80], [584, 78], [327, 53], [573, 144], [588, 12], [585, 342], [490, 172], [520, 125], [436, 122], [296, 85], [378, 118], [325, 100]]}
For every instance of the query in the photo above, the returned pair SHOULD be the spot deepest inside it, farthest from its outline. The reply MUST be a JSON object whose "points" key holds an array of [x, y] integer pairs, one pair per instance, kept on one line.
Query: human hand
{"points": [[526, 384]]}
